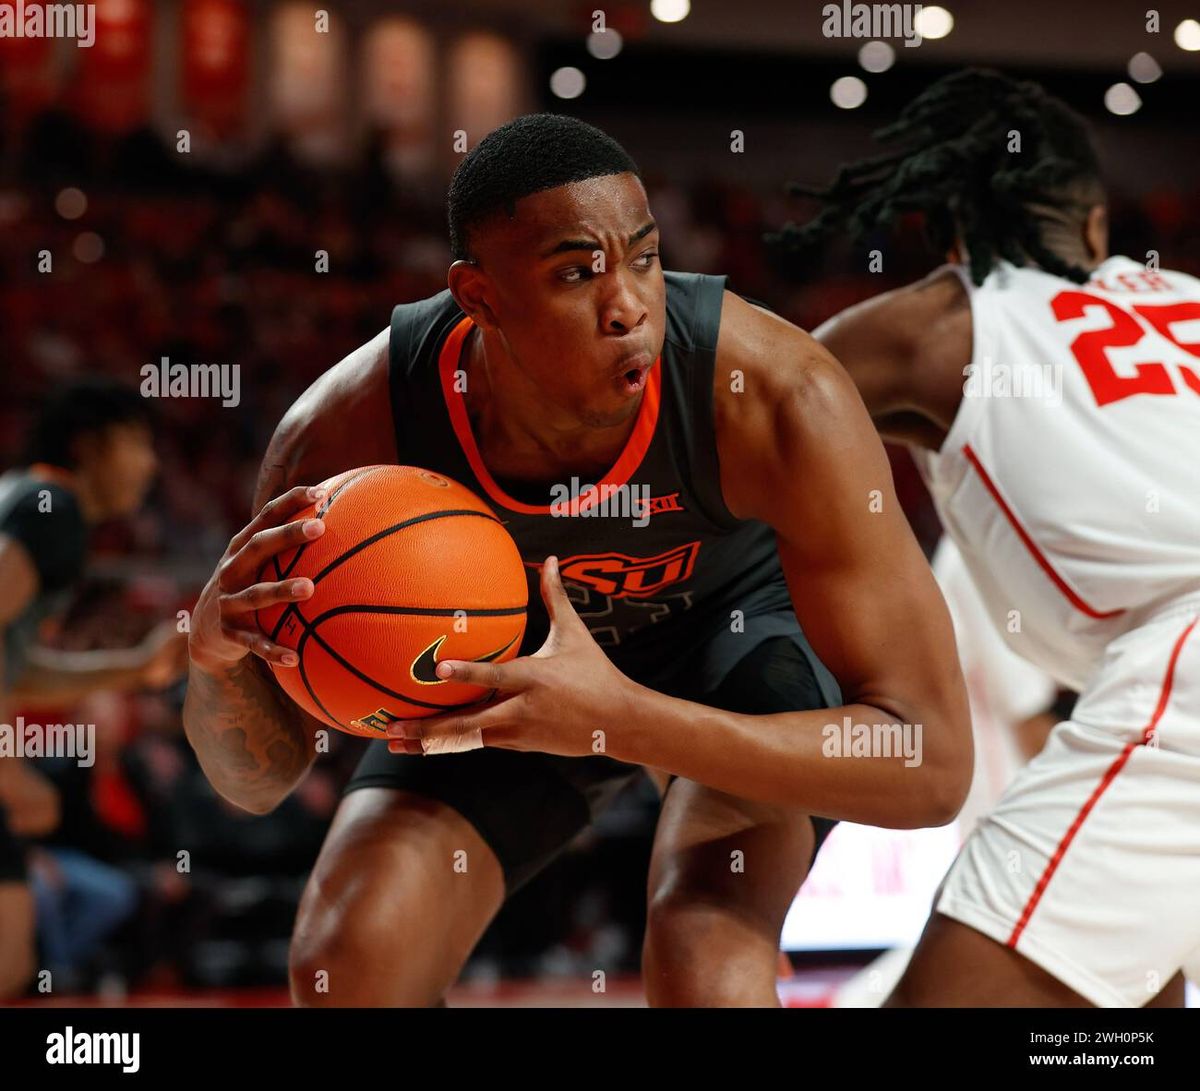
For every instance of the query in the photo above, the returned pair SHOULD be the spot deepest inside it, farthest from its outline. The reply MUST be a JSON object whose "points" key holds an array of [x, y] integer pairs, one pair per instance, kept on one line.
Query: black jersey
{"points": [[654, 562], [45, 518]]}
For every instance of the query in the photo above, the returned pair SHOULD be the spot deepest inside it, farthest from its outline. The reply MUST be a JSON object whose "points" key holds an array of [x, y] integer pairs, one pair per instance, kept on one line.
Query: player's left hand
{"points": [[566, 698]]}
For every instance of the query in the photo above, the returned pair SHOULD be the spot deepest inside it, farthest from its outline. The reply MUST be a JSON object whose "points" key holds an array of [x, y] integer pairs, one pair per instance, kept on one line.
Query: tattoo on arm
{"points": [[251, 740]]}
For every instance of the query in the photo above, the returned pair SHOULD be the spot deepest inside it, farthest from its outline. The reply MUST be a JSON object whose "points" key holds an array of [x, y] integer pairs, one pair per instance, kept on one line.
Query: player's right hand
{"points": [[224, 627]]}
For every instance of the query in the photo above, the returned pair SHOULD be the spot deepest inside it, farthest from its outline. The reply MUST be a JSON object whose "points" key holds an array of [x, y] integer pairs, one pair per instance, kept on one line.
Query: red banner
{"points": [[112, 92], [216, 63], [26, 62]]}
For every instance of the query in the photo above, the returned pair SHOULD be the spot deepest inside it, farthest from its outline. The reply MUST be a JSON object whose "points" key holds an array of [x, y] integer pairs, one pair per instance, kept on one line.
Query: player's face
{"points": [[120, 465], [578, 294]]}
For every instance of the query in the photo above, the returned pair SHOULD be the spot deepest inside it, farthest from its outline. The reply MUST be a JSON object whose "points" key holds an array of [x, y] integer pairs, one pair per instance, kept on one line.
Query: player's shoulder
{"points": [[342, 421], [771, 374], [23, 493], [693, 304], [45, 520], [756, 343], [418, 328]]}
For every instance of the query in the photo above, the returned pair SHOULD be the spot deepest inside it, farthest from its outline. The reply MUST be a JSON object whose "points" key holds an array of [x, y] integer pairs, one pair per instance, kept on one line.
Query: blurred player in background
{"points": [[1052, 395], [90, 459]]}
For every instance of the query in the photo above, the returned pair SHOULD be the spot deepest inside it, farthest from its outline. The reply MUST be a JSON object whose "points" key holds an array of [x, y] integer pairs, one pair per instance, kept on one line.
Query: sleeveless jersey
{"points": [[1070, 477], [692, 580], [45, 518]]}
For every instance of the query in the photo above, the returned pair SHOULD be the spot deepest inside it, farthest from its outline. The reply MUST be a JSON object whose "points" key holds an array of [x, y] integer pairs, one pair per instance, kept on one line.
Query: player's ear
{"points": [[1095, 233], [468, 284]]}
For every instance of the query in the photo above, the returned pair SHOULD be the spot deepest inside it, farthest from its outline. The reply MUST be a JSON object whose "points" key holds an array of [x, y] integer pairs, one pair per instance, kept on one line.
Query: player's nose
{"points": [[621, 309]]}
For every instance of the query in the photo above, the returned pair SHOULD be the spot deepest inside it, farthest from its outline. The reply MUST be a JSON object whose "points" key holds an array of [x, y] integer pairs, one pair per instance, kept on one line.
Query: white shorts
{"points": [[1089, 865]]}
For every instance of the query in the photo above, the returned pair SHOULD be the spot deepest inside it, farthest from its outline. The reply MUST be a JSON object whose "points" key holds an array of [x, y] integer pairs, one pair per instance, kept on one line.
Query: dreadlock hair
{"points": [[524, 156], [951, 162]]}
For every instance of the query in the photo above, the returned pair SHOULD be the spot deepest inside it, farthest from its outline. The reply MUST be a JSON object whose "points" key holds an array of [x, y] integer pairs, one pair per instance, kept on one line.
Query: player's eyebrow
{"points": [[568, 245]]}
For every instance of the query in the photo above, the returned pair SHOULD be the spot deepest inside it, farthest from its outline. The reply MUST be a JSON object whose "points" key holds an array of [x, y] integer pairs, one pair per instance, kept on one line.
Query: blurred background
{"points": [[183, 171]]}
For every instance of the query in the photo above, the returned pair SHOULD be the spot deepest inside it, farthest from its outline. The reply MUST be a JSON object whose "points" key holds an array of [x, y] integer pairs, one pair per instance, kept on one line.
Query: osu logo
{"points": [[620, 576]]}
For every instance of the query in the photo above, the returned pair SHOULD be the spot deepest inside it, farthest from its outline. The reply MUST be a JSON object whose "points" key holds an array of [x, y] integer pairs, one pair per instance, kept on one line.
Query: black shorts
{"points": [[529, 806], [12, 854]]}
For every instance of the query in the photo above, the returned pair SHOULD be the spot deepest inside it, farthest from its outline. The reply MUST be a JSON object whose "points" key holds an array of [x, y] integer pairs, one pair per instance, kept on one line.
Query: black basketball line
{"points": [[369, 608], [294, 612], [289, 612], [275, 562], [364, 677], [420, 611], [308, 685], [310, 628], [379, 536], [322, 508]]}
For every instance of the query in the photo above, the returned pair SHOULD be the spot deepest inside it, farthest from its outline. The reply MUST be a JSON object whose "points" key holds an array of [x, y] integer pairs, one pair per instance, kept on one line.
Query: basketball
{"points": [[412, 568]]}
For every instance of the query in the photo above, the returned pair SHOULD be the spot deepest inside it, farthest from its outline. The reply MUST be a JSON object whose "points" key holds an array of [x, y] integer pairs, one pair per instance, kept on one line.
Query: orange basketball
{"points": [[412, 569]]}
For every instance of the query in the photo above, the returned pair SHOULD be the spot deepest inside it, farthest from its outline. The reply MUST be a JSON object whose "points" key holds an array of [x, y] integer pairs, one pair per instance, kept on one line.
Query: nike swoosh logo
{"points": [[425, 664]]}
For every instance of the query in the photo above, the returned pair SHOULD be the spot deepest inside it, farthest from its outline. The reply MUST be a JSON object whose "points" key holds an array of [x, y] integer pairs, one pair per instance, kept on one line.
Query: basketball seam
{"points": [[310, 630], [308, 685], [293, 611], [418, 611], [310, 627], [321, 510], [358, 547], [364, 677]]}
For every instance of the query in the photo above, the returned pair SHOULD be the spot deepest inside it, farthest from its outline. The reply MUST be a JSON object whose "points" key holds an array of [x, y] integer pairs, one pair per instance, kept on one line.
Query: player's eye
{"points": [[574, 275], [646, 260]]}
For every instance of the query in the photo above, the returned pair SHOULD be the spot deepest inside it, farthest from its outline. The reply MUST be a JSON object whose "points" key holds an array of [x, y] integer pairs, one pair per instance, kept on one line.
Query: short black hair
{"points": [[951, 162], [83, 407], [524, 156]]}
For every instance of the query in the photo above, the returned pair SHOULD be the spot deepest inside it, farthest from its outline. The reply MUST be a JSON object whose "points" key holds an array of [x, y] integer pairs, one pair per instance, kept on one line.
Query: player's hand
{"points": [[164, 656], [564, 699], [224, 628]]}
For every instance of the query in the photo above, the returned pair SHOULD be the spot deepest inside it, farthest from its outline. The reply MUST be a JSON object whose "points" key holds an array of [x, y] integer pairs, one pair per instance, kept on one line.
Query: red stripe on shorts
{"points": [[1163, 696]]}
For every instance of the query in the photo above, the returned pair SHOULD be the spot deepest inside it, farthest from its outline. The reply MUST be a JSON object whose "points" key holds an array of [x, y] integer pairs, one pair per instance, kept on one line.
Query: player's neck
{"points": [[518, 433]]}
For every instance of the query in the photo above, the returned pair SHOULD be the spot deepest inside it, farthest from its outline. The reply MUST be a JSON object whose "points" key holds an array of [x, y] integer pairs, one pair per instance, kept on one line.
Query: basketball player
{"points": [[562, 350], [90, 458], [1051, 393]]}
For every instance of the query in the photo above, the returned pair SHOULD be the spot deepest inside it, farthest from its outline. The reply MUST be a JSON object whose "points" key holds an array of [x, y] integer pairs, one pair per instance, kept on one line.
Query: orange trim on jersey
{"points": [[630, 458], [1119, 764], [1031, 545], [56, 475]]}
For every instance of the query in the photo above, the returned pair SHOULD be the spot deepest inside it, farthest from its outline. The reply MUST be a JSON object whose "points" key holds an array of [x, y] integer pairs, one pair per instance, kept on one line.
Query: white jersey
{"points": [[1070, 477], [1003, 689]]}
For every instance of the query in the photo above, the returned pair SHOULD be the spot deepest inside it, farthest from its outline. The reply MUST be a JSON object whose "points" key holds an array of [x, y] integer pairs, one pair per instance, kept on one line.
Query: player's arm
{"points": [[254, 744], [906, 350], [798, 451], [28, 799], [51, 673], [19, 584]]}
